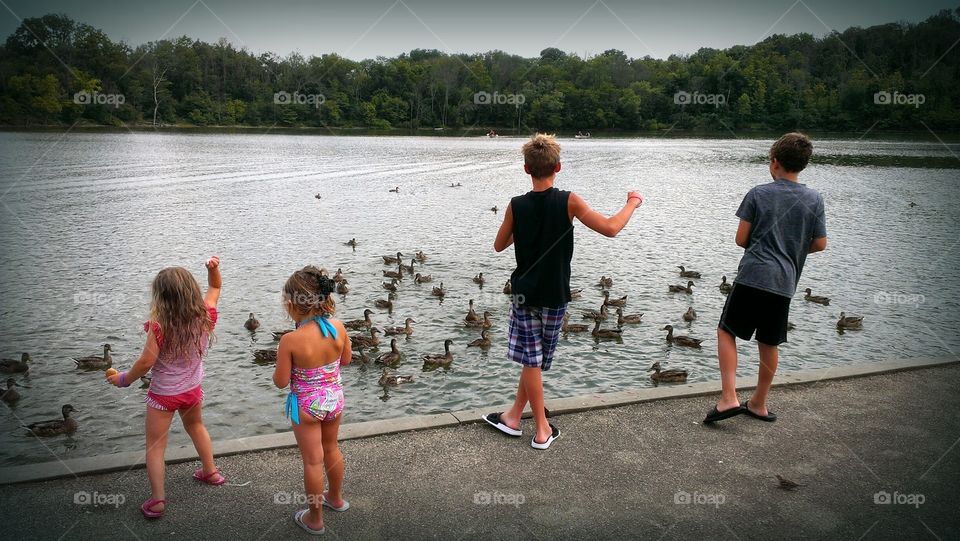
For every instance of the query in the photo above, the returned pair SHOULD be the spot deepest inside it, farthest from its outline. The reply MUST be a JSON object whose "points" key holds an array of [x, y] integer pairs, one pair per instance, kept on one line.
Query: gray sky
{"points": [[365, 29]]}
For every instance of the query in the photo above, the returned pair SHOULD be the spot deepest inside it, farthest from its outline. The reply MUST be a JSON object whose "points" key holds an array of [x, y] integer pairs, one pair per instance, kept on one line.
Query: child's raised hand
{"points": [[213, 263], [635, 195], [116, 378]]}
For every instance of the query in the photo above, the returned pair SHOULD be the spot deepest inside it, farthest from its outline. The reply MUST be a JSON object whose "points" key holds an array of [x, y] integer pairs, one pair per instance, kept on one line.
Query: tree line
{"points": [[897, 76]]}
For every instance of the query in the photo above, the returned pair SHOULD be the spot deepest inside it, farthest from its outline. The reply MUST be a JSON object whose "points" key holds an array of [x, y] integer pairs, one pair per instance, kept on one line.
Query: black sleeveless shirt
{"points": [[543, 243]]}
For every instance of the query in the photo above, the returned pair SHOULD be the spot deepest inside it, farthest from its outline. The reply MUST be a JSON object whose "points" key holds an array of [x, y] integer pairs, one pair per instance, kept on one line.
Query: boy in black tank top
{"points": [[540, 226]]}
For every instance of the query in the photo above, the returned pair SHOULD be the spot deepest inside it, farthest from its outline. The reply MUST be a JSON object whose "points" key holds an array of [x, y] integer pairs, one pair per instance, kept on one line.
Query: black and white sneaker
{"points": [[554, 434], [493, 419]]}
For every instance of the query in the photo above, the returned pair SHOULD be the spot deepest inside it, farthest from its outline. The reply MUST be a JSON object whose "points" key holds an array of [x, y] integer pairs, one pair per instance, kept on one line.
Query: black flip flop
{"points": [[769, 417], [493, 419], [714, 415]]}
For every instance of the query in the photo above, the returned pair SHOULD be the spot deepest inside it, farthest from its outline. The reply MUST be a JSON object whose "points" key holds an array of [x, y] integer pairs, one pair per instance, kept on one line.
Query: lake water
{"points": [[89, 218]]}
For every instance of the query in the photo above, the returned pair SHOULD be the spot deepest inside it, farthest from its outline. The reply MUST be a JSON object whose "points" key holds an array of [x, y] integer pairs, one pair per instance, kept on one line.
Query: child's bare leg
{"points": [[512, 416], [193, 423], [333, 461], [532, 380], [727, 356], [769, 357], [157, 429], [310, 440]]}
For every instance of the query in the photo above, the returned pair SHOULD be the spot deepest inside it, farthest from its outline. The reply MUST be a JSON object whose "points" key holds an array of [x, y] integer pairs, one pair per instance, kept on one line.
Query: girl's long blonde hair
{"points": [[178, 306]]}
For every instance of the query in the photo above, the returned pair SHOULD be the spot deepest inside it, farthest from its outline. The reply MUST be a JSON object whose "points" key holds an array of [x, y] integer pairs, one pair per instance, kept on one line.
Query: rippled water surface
{"points": [[89, 218]]}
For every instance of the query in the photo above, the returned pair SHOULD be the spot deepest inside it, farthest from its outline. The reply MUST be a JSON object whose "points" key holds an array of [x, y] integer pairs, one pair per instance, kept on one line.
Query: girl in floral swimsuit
{"points": [[309, 360]]}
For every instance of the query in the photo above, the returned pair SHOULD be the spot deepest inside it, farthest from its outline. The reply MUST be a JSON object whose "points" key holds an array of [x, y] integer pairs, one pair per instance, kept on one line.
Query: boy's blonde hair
{"points": [[541, 154]]}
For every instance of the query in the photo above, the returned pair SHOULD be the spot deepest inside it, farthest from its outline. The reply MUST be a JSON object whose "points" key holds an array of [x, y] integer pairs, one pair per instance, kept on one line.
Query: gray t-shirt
{"points": [[785, 216]]}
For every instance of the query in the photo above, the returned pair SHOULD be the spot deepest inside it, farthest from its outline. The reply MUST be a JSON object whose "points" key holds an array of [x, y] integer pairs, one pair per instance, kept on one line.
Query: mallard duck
{"points": [[507, 288], [420, 256], [252, 323], [631, 319], [568, 327], [478, 279], [146, 380], [622, 301], [577, 293], [422, 279], [265, 356], [342, 287], [682, 289], [391, 285], [684, 273], [391, 260], [338, 277], [725, 286], [359, 356], [318, 196], [357, 324], [438, 291], [352, 242], [685, 341], [10, 395], [483, 323], [664, 376], [433, 361], [596, 314], [364, 340], [393, 379], [815, 299], [392, 357], [407, 329], [397, 274], [277, 335], [604, 333], [12, 366], [483, 342], [494, 208], [849, 322], [408, 268], [605, 282], [67, 425], [395, 190], [471, 316], [690, 314], [384, 303], [96, 361]]}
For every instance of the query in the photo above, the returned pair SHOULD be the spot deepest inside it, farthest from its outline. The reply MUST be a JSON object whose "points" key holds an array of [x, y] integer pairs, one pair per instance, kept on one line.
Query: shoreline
{"points": [[128, 460]]}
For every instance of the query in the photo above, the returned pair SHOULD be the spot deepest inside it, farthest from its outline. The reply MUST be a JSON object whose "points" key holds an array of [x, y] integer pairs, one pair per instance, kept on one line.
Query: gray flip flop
{"points": [[298, 518]]}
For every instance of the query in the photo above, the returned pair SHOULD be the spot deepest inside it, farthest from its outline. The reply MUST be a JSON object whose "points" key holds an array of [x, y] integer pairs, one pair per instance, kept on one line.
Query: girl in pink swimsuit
{"points": [[181, 322], [309, 360]]}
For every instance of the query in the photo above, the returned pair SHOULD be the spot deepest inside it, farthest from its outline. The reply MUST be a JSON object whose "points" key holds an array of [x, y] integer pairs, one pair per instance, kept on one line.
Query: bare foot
{"points": [[334, 502], [313, 520], [157, 507], [759, 411], [215, 478], [512, 422], [543, 435], [723, 406]]}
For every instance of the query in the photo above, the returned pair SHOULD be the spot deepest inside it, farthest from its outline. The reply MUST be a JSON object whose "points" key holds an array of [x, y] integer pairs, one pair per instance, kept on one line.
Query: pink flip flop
{"points": [[204, 478], [147, 505]]}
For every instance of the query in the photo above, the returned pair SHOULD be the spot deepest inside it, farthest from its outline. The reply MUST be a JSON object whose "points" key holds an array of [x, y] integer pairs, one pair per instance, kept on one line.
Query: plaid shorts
{"points": [[533, 334]]}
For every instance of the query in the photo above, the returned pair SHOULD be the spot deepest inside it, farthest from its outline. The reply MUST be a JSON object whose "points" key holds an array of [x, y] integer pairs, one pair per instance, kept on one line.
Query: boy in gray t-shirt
{"points": [[780, 223]]}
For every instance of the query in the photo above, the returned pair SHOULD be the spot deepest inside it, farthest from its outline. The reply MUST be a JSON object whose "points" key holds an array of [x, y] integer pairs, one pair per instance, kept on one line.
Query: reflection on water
{"points": [[88, 219]]}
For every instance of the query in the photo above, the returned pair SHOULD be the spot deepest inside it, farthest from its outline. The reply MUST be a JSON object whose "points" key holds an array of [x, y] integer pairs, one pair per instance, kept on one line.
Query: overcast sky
{"points": [[366, 29]]}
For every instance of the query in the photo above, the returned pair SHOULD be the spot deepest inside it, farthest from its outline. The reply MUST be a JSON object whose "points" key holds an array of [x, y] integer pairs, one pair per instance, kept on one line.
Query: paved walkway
{"points": [[626, 472]]}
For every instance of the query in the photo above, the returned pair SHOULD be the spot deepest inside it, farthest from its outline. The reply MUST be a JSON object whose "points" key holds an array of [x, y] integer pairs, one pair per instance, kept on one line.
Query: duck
{"points": [[577, 293], [393, 379], [808, 296], [391, 285], [67, 425], [664, 376], [342, 287], [725, 286], [422, 278], [352, 242], [494, 208], [96, 361], [252, 323], [357, 324], [631, 319], [596, 314], [392, 357], [483, 324], [391, 260], [478, 279], [471, 316], [407, 329], [436, 360], [684, 273], [690, 314], [397, 274], [338, 277], [682, 289], [277, 335], [791, 326], [438, 291], [849, 322], [10, 395], [622, 301], [508, 288], [685, 341], [265, 356], [420, 256], [359, 356], [483, 342], [408, 268], [318, 196], [146, 380], [13, 366], [364, 340], [384, 303], [604, 333], [605, 282], [395, 190], [568, 327]]}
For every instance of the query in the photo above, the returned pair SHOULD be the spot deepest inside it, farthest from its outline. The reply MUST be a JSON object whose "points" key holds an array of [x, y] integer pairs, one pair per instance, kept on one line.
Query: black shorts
{"points": [[749, 309]]}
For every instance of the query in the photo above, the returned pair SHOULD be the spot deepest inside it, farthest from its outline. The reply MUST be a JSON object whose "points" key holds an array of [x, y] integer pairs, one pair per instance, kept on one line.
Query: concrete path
{"points": [[645, 471]]}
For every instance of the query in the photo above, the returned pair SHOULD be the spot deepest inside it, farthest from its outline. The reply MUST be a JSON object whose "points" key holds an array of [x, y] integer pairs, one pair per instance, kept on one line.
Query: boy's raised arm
{"points": [[608, 227], [505, 234]]}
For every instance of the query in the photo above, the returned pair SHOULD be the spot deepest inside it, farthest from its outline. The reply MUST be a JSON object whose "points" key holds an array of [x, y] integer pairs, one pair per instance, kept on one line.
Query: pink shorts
{"points": [[175, 402]]}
